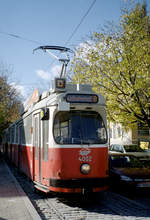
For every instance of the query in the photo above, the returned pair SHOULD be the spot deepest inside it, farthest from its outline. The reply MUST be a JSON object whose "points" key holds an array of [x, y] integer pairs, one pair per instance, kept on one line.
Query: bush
{"points": [[133, 148]]}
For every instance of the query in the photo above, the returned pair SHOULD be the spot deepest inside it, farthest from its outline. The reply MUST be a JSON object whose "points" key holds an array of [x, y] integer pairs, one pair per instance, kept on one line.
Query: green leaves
{"points": [[118, 65], [9, 102]]}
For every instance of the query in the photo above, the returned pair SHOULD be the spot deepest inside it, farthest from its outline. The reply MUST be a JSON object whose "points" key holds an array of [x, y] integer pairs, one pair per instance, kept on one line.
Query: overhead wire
{"points": [[82, 19], [69, 38], [78, 25], [19, 37]]}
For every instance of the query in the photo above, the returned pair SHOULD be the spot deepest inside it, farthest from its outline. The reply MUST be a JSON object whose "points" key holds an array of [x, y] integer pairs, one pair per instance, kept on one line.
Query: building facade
{"points": [[137, 136]]}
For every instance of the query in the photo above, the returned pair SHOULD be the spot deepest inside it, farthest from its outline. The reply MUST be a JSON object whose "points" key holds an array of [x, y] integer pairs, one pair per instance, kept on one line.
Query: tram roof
{"points": [[54, 96]]}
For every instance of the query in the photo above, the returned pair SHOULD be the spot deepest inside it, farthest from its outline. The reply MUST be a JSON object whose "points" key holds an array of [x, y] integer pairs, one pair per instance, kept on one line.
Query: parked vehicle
{"points": [[117, 148], [129, 174]]}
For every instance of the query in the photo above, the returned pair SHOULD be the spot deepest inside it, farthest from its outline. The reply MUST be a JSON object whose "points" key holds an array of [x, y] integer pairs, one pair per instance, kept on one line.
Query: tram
{"points": [[60, 141]]}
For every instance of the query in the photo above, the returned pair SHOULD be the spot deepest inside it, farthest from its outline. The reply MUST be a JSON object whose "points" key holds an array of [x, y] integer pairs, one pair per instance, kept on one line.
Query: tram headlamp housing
{"points": [[85, 168]]}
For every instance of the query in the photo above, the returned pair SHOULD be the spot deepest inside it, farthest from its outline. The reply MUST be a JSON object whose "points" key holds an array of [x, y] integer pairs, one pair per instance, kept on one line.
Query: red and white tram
{"points": [[60, 141]]}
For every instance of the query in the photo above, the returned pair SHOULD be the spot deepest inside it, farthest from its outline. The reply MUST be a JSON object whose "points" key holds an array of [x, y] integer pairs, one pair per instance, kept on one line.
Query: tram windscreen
{"points": [[79, 127]]}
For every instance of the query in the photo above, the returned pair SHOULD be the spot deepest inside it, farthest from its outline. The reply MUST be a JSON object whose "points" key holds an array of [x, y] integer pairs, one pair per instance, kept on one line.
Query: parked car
{"points": [[117, 148], [132, 173]]}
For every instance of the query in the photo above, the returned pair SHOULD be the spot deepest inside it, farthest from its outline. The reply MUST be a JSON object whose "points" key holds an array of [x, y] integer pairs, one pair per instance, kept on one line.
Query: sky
{"points": [[28, 24]]}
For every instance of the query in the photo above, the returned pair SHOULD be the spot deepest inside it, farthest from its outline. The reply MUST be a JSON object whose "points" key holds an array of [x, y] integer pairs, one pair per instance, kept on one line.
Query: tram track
{"points": [[68, 211], [106, 205], [126, 207], [144, 200], [109, 206]]}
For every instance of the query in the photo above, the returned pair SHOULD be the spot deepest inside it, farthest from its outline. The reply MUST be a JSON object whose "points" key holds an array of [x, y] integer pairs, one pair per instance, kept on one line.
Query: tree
{"points": [[9, 100], [117, 64]]}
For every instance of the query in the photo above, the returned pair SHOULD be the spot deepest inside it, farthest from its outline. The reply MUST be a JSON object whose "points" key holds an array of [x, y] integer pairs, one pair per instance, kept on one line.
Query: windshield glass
{"points": [[129, 161], [79, 127]]}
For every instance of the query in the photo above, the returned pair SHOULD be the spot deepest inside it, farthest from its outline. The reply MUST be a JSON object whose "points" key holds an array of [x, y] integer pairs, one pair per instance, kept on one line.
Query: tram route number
{"points": [[85, 158]]}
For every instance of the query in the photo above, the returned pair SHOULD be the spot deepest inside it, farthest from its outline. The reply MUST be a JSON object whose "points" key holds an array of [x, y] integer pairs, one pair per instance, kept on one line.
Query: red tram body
{"points": [[60, 141]]}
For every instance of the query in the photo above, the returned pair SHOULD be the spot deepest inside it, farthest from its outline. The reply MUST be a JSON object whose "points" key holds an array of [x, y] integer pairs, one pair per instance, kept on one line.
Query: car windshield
{"points": [[79, 127], [117, 148], [129, 161]]}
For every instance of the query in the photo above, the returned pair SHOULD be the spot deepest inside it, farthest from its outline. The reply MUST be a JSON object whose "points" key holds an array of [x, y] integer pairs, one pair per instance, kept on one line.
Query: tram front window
{"points": [[79, 127]]}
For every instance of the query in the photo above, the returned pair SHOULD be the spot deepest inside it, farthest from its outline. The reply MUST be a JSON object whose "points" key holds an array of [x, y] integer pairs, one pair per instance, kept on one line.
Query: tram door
{"points": [[37, 146], [20, 130]]}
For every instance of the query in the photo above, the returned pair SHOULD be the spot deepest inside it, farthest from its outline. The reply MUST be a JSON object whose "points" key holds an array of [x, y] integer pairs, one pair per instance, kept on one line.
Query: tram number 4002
{"points": [[85, 158]]}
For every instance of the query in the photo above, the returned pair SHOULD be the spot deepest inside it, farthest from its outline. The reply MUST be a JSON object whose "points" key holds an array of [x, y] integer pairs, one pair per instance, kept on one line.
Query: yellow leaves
{"points": [[9, 104], [118, 66]]}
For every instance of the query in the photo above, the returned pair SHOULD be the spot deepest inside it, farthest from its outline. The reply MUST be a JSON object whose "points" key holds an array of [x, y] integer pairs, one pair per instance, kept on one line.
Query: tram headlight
{"points": [[85, 168]]}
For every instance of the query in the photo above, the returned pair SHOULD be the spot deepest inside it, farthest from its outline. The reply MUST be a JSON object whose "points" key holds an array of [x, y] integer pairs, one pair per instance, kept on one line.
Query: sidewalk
{"points": [[14, 203]]}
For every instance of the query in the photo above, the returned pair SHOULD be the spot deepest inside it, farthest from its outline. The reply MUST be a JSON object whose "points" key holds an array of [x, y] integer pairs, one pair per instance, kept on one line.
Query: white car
{"points": [[117, 148]]}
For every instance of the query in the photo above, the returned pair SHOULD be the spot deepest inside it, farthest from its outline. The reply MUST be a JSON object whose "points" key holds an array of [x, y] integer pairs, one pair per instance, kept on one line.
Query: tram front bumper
{"points": [[80, 183]]}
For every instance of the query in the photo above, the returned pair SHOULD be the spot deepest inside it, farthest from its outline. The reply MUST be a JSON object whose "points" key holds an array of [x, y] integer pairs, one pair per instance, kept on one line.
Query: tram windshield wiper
{"points": [[90, 141]]}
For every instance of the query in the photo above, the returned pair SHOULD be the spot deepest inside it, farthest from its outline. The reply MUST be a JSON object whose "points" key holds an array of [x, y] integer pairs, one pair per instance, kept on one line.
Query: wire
{"points": [[19, 37], [70, 37], [68, 40], [82, 19], [77, 27]]}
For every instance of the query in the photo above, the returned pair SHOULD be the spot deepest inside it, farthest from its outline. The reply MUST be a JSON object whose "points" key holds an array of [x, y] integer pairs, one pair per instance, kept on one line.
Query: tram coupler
{"points": [[87, 191]]}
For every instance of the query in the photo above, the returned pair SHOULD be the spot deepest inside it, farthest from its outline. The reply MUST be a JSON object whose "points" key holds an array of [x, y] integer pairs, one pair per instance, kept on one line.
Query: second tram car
{"points": [[60, 141]]}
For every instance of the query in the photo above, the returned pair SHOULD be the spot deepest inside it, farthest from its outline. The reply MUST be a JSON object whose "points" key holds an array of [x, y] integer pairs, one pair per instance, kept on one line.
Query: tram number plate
{"points": [[85, 158]]}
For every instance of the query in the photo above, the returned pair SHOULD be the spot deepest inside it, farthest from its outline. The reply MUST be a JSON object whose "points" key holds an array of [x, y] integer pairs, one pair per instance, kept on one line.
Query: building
{"points": [[137, 136]]}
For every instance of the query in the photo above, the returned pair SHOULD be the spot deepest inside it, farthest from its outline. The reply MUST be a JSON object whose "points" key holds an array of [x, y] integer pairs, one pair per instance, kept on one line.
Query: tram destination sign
{"points": [[82, 98]]}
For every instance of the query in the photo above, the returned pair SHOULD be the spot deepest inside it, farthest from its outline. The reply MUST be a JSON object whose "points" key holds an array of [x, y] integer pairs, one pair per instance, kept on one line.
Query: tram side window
{"points": [[61, 128], [27, 126], [12, 134], [16, 138], [36, 137], [45, 139], [7, 137], [22, 135]]}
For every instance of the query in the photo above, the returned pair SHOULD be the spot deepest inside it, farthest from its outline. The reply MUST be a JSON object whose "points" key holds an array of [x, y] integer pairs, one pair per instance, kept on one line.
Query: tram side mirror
{"points": [[44, 114]]}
